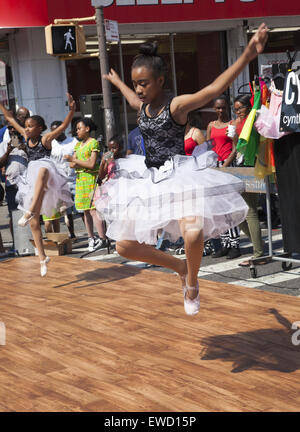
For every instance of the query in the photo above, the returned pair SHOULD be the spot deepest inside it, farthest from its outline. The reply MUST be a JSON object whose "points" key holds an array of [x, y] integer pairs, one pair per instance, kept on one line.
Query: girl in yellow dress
{"points": [[85, 162]]}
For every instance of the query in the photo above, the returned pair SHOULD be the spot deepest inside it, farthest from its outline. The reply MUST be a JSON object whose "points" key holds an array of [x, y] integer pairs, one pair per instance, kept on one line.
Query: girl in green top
{"points": [[84, 160]]}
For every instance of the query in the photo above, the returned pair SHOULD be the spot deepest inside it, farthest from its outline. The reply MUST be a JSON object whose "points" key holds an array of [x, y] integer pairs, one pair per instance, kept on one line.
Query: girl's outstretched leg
{"points": [[38, 241], [35, 210], [39, 190], [37, 236], [192, 232], [148, 254], [37, 199]]}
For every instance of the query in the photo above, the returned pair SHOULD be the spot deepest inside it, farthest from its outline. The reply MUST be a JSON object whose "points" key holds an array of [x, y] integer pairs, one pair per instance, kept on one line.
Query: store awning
{"points": [[33, 13]]}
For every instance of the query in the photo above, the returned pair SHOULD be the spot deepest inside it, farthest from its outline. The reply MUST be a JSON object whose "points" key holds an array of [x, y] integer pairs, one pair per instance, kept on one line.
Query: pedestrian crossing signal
{"points": [[65, 39]]}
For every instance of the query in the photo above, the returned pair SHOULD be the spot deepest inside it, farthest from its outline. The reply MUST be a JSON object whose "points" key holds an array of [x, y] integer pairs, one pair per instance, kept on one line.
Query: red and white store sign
{"points": [[24, 13]]}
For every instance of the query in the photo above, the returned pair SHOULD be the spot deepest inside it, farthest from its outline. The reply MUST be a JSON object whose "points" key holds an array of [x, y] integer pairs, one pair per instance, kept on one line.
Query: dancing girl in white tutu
{"points": [[43, 188], [166, 190]]}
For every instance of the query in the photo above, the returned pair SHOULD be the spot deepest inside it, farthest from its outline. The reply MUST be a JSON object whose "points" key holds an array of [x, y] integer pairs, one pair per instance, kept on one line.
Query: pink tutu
{"points": [[57, 193]]}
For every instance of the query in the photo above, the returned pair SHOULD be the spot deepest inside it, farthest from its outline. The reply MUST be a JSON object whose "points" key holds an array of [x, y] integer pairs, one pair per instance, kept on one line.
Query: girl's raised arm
{"points": [[127, 92], [181, 105], [9, 117], [47, 138]]}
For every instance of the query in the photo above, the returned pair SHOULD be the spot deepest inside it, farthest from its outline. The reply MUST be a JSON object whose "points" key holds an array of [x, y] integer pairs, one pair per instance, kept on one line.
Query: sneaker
{"points": [[234, 252], [97, 243], [100, 243], [207, 249], [221, 252], [91, 244], [180, 251]]}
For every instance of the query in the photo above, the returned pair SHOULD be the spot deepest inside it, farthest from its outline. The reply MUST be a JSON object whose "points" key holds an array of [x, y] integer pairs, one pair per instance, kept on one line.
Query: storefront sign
{"points": [[142, 11], [24, 13], [290, 110], [101, 3], [29, 13]]}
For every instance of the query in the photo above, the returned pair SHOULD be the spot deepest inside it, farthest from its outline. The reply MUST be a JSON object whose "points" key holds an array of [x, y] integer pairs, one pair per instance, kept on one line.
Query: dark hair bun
{"points": [[149, 48], [149, 58]]}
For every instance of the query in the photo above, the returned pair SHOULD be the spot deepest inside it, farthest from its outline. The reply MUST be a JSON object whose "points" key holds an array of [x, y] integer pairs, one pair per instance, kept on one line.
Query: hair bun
{"points": [[149, 48]]}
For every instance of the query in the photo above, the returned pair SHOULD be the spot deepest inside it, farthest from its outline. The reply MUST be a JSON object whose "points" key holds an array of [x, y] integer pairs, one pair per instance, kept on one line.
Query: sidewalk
{"points": [[270, 277]]}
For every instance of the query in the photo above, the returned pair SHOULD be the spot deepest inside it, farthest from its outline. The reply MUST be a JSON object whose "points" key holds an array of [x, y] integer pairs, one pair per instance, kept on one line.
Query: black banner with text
{"points": [[290, 110]]}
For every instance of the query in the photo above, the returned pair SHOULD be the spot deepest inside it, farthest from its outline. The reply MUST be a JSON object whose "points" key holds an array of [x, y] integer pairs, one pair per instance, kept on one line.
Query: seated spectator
{"points": [[14, 158]]}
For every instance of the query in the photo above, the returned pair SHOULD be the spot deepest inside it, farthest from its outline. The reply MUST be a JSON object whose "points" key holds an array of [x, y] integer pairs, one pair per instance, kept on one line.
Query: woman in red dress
{"points": [[225, 147]]}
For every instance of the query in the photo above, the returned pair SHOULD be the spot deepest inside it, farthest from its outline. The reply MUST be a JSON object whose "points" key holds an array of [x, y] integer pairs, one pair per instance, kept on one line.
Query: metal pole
{"points": [[123, 97], [104, 69], [269, 220], [173, 64]]}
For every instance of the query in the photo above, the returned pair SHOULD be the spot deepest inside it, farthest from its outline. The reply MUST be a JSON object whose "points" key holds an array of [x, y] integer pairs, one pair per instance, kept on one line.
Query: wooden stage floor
{"points": [[104, 337]]}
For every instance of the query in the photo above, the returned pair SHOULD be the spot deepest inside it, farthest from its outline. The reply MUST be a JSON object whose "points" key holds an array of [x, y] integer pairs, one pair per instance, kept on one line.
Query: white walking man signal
{"points": [[68, 36]]}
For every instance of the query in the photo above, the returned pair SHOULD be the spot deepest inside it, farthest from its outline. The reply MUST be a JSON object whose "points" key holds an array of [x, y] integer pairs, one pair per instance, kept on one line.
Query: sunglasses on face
{"points": [[240, 109]]}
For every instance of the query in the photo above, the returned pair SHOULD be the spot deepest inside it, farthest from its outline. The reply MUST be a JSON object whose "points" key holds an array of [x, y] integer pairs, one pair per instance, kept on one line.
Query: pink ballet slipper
{"points": [[191, 306], [44, 266], [25, 219]]}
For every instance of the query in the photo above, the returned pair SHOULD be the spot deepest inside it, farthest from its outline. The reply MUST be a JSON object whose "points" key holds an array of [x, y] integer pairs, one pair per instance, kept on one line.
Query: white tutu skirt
{"points": [[138, 203], [57, 193]]}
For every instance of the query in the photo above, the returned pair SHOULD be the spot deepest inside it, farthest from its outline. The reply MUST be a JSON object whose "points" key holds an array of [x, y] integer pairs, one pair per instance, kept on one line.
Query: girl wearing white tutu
{"points": [[43, 188], [167, 190]]}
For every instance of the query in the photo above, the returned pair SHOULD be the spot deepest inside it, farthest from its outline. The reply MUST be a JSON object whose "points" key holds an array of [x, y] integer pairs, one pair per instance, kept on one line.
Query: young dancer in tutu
{"points": [[166, 189], [43, 187]]}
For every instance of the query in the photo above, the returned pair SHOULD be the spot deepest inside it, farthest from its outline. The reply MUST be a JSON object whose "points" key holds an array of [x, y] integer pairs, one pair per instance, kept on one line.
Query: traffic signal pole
{"points": [[104, 69], [109, 119]]}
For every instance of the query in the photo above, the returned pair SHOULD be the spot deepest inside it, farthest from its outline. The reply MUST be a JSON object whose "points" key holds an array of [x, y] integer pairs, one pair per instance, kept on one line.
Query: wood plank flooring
{"points": [[105, 337]]}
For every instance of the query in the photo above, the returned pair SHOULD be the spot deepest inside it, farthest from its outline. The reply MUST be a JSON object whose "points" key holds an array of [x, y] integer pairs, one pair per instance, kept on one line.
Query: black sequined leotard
{"points": [[38, 151], [163, 137]]}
